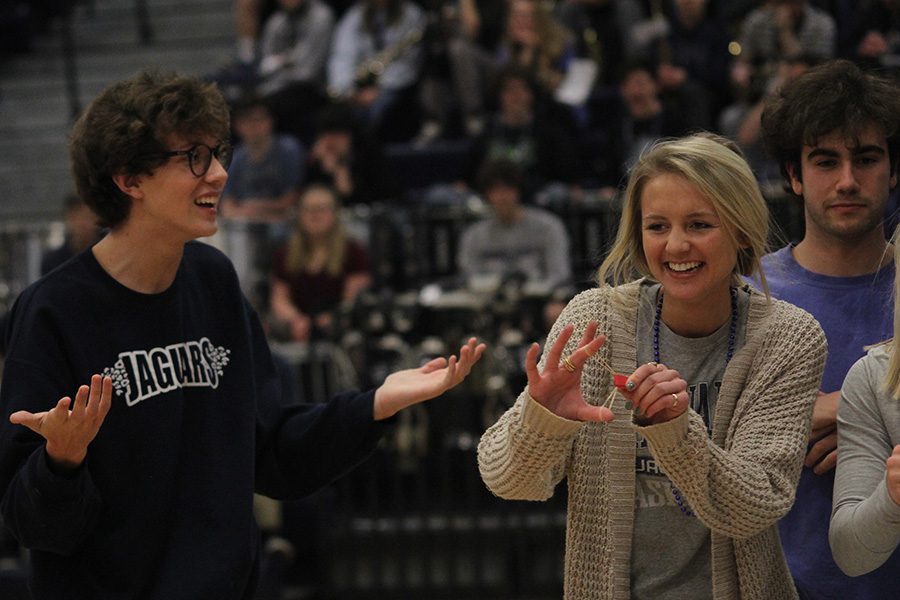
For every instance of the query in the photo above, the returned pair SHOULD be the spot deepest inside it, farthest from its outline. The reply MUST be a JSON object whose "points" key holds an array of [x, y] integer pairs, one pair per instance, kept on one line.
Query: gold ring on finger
{"points": [[569, 365], [674, 400]]}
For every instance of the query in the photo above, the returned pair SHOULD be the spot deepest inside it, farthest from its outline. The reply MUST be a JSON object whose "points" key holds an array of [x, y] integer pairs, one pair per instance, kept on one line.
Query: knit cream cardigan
{"points": [[739, 482]]}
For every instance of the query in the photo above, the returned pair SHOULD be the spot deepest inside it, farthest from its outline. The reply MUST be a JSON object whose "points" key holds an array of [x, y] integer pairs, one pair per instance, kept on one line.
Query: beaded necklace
{"points": [[732, 334], [732, 331]]}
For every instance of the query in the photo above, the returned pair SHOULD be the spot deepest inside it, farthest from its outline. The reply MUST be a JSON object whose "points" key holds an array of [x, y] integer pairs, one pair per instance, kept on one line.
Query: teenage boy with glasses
{"points": [[142, 486]]}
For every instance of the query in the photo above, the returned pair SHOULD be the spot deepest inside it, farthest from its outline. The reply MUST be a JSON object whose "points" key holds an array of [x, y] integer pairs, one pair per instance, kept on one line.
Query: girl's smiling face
{"points": [[685, 243]]}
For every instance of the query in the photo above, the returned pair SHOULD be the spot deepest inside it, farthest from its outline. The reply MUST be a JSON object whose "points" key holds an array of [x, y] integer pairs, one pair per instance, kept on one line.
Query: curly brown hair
{"points": [[834, 96], [121, 133]]}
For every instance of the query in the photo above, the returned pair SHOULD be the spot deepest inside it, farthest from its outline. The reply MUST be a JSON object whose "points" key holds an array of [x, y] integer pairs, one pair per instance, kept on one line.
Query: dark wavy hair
{"points": [[834, 96], [499, 171], [121, 133]]}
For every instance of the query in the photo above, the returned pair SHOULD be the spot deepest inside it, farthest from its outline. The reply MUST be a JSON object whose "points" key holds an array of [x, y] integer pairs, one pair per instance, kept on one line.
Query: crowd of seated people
{"points": [[339, 86], [613, 74]]}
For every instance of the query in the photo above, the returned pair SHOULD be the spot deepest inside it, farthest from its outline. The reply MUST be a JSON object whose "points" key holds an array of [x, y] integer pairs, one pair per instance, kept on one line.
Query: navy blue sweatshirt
{"points": [[162, 507]]}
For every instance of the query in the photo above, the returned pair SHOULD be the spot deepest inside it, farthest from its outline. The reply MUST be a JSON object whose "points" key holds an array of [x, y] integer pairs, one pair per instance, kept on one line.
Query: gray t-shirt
{"points": [[537, 245], [670, 552]]}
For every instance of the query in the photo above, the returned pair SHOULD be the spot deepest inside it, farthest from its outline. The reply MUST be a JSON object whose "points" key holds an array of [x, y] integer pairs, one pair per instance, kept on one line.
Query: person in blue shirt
{"points": [[141, 486], [834, 133], [267, 171]]}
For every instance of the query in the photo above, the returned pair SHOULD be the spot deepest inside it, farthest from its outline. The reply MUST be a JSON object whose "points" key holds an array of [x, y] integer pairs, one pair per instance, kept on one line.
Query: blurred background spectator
{"points": [[260, 196], [779, 30], [741, 120], [266, 171], [318, 269], [531, 131], [345, 157], [533, 39], [873, 37], [641, 117], [376, 60], [453, 26], [689, 48], [516, 240], [81, 233], [597, 29], [293, 50]]}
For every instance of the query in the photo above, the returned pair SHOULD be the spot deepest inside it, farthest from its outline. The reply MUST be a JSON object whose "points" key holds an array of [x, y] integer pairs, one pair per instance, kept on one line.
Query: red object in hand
{"points": [[620, 381]]}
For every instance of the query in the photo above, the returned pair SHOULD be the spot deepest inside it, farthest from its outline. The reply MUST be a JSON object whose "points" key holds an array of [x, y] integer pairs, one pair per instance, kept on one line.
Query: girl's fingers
{"points": [[596, 414], [585, 352], [664, 395], [531, 371], [641, 374], [659, 403], [589, 332], [553, 357], [649, 382]]}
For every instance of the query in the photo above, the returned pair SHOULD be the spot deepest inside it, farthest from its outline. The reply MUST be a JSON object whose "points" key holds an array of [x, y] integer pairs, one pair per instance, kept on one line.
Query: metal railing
{"points": [[69, 48], [22, 245]]}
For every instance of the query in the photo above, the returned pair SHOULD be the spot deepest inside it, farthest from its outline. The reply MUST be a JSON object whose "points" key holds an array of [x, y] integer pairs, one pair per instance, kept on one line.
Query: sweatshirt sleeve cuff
{"points": [[536, 417], [668, 434], [885, 505], [51, 485], [363, 405]]}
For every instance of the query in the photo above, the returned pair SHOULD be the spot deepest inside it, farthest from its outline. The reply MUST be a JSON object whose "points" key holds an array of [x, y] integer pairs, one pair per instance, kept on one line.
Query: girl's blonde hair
{"points": [[554, 41], [299, 247], [718, 170]]}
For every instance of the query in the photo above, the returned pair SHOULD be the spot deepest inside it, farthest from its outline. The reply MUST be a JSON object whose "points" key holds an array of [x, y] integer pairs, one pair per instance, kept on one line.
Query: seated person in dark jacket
{"points": [[141, 484], [531, 131], [640, 118], [345, 158]]}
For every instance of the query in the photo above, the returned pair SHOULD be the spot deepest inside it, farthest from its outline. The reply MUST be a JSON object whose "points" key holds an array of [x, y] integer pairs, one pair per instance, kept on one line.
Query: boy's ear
{"points": [[128, 184], [793, 170]]}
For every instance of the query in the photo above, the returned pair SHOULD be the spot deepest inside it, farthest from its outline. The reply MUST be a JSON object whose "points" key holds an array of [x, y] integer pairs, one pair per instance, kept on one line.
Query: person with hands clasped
{"points": [[682, 411], [835, 133], [142, 487]]}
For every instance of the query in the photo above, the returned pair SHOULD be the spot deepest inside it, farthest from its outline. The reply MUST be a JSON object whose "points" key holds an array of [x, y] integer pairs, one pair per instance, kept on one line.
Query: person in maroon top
{"points": [[319, 268]]}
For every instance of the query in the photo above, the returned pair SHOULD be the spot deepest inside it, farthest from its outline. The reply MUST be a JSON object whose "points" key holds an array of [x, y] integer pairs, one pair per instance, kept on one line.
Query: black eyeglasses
{"points": [[200, 156]]}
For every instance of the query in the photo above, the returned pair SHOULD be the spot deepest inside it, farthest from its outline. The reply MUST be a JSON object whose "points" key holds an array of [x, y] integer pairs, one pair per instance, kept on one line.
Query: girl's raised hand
{"points": [[558, 387]]}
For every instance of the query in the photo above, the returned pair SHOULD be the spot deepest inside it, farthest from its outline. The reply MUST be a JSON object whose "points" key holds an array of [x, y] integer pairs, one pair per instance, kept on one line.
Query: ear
{"points": [[796, 181], [130, 185]]}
